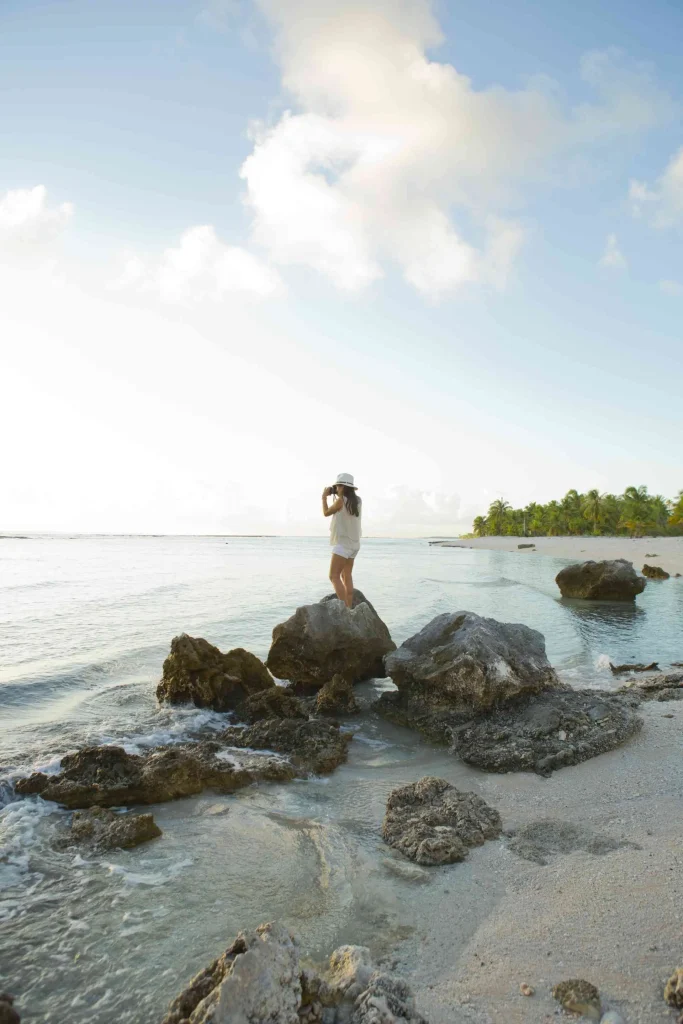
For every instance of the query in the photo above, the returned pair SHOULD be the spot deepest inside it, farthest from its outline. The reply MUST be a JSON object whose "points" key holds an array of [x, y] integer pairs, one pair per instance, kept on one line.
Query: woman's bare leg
{"points": [[337, 566], [347, 580]]}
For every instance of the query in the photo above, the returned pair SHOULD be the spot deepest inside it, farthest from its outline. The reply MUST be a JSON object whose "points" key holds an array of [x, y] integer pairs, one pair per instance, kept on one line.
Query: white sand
{"points": [[666, 552], [616, 920]]}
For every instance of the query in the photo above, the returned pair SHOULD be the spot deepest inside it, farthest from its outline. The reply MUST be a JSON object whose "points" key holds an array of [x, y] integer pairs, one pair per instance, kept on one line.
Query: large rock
{"points": [[102, 829], [313, 746], [611, 580], [110, 777], [196, 672], [260, 979], [432, 822], [546, 732], [321, 640], [463, 662]]}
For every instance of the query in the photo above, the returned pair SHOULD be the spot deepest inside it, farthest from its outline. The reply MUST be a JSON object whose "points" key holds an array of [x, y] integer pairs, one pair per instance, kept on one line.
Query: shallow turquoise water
{"points": [[84, 627]]}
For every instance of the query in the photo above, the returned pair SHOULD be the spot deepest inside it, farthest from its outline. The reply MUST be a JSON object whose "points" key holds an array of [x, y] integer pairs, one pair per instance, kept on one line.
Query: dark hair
{"points": [[351, 500]]}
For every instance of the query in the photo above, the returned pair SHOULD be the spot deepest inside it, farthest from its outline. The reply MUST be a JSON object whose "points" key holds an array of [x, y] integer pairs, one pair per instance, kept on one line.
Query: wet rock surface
{"points": [[667, 686], [655, 572], [609, 580], [275, 702], [638, 666], [547, 732], [260, 978], [336, 698], [198, 673], [578, 996], [323, 639], [110, 777], [432, 822], [541, 840], [102, 829], [463, 662], [8, 1014], [313, 746]]}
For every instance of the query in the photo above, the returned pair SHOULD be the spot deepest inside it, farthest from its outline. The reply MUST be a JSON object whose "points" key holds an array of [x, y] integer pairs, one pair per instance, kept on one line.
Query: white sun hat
{"points": [[346, 479]]}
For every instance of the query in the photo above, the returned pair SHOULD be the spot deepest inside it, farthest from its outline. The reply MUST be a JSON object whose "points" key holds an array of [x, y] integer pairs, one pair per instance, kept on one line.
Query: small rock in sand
{"points": [[526, 990], [612, 1017], [8, 1015], [579, 996], [673, 991], [655, 572], [635, 667]]}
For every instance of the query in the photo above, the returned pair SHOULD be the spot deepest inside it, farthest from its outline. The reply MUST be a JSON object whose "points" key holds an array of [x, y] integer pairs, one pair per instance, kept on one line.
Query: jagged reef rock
{"points": [[665, 686], [198, 673], [655, 572], [109, 777], [260, 979], [465, 663], [275, 702], [8, 1015], [673, 990], [102, 829], [432, 822], [546, 732], [336, 698], [311, 745], [321, 640], [579, 996], [610, 580]]}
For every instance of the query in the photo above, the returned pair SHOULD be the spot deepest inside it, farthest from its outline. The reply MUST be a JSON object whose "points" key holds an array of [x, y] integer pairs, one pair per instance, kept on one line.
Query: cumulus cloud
{"points": [[413, 511], [200, 268], [27, 221], [394, 159], [613, 257], [665, 200]]}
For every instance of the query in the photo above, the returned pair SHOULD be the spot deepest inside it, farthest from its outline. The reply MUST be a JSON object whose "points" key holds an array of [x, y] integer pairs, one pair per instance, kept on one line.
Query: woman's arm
{"points": [[334, 507]]}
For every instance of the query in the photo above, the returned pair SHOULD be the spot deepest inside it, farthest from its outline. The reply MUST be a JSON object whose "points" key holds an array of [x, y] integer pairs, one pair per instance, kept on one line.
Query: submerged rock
{"points": [[635, 667], [336, 698], [654, 572], [547, 838], [579, 996], [260, 979], [8, 1015], [312, 746], [609, 580], [673, 990], [432, 822], [275, 702], [666, 686], [463, 662], [196, 672], [548, 732], [321, 640], [104, 830], [109, 777]]}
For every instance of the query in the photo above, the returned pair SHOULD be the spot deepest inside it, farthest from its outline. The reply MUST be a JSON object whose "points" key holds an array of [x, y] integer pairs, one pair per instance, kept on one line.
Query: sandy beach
{"points": [[667, 552]]}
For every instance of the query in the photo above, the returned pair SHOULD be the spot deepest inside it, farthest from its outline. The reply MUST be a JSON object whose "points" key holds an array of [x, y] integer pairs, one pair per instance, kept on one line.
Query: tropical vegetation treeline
{"points": [[635, 513]]}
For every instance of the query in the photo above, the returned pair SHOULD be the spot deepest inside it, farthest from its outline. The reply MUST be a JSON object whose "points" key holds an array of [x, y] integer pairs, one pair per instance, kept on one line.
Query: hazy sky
{"points": [[245, 246]]}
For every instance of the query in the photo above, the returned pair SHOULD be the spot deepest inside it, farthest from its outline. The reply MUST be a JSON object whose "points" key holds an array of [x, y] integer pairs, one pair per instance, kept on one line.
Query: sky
{"points": [[246, 245]]}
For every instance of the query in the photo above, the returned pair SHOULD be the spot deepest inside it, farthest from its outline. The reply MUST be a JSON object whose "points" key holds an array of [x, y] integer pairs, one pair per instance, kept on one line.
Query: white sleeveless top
{"points": [[346, 529]]}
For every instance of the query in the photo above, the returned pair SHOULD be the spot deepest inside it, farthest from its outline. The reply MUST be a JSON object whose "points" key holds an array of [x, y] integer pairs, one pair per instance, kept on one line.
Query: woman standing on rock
{"points": [[345, 534]]}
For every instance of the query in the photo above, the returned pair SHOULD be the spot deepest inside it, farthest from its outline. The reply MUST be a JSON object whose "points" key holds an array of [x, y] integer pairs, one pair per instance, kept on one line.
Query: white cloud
{"points": [[666, 198], [390, 152], [26, 220], [671, 287], [613, 256], [200, 268]]}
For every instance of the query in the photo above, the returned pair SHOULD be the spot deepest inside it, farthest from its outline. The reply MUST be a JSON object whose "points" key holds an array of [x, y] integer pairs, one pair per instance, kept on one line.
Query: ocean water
{"points": [[85, 624]]}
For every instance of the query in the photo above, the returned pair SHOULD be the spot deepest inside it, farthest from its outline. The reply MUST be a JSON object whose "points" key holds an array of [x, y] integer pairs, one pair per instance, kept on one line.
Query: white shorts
{"points": [[346, 551]]}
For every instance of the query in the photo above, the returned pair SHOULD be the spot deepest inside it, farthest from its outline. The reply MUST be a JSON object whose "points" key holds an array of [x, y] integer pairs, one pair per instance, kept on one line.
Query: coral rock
{"points": [[609, 580], [196, 672]]}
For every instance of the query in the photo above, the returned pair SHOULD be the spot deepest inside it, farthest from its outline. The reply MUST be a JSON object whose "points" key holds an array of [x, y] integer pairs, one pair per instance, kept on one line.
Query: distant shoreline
{"points": [[666, 552]]}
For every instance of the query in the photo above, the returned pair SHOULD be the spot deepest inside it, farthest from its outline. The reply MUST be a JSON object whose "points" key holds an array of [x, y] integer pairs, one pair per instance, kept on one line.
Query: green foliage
{"points": [[634, 513]]}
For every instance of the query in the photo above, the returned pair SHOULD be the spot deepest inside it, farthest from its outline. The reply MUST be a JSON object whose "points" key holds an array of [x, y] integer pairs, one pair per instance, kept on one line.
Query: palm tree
{"points": [[498, 510], [479, 526], [593, 504], [554, 519], [637, 516], [571, 507], [677, 511]]}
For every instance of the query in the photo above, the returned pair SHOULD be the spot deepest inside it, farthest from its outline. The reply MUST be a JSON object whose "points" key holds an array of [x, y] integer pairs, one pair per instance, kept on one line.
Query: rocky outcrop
{"points": [[321, 640], [102, 829], [673, 990], [461, 662], [638, 666], [8, 1015], [610, 580], [196, 672], [666, 686], [311, 746], [260, 978], [432, 822], [654, 572], [336, 698], [109, 777], [544, 733], [579, 996], [275, 702]]}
